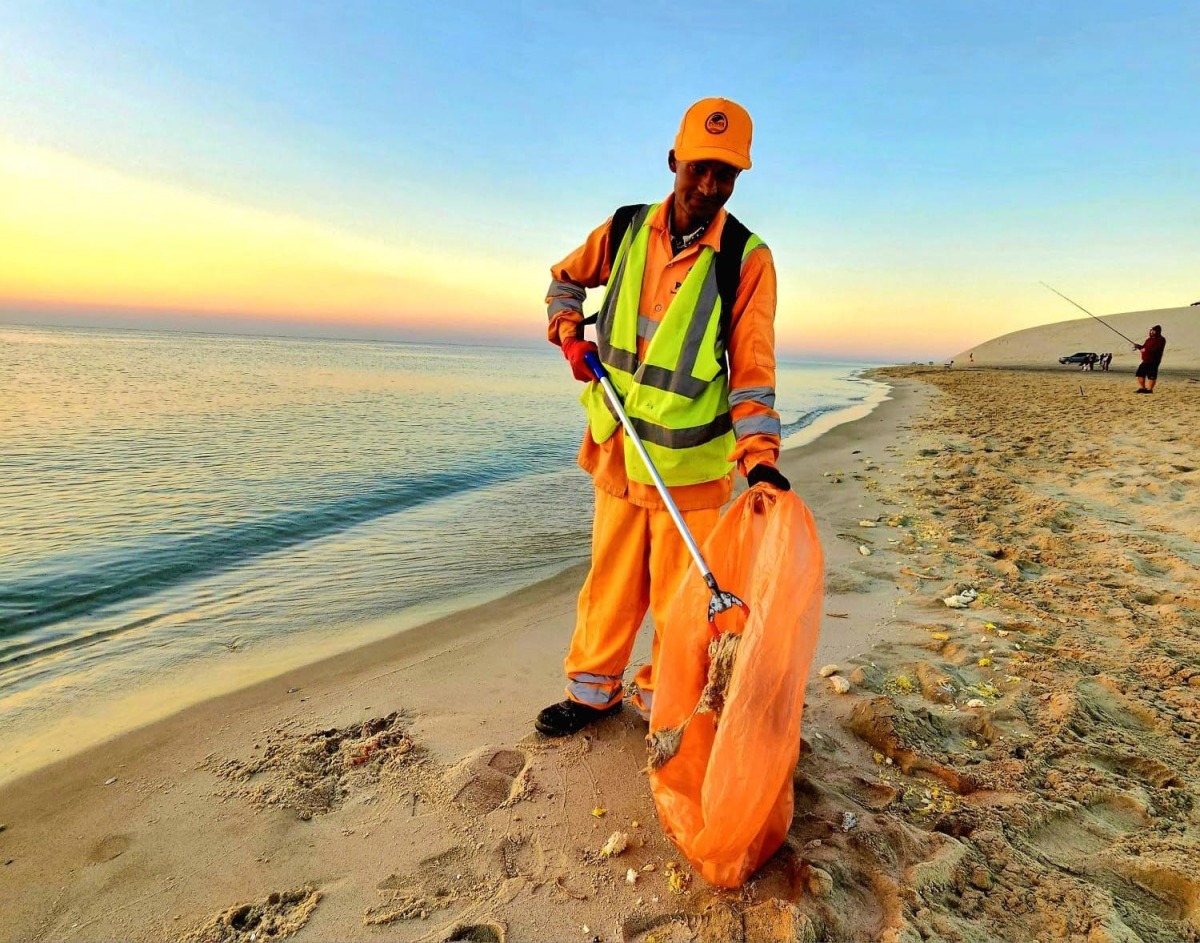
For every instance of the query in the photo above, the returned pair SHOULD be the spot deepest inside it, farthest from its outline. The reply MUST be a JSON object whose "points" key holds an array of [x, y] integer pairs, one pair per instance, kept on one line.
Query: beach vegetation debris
{"points": [[828, 670], [722, 653], [617, 843], [900, 684], [839, 684], [849, 821], [599, 812], [984, 662], [938, 801], [678, 880], [940, 636], [867, 524], [663, 744]]}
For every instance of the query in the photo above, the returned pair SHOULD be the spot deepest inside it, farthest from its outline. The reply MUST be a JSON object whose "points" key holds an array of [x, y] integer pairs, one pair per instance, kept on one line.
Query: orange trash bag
{"points": [[725, 723]]}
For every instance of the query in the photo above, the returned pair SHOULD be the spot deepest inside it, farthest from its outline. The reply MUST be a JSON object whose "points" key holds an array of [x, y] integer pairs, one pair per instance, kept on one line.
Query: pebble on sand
{"points": [[839, 684], [865, 551], [828, 670], [820, 882]]}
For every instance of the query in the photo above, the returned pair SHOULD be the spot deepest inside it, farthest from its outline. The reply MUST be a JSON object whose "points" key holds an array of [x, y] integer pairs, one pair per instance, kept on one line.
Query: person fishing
{"points": [[1152, 353], [686, 334]]}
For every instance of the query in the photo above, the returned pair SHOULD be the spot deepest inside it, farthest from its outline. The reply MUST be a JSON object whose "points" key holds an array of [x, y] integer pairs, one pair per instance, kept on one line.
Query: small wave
{"points": [[807, 419], [41, 601]]}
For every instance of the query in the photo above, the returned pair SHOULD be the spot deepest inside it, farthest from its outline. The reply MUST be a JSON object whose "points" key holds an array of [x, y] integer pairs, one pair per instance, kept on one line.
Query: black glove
{"points": [[770, 474]]}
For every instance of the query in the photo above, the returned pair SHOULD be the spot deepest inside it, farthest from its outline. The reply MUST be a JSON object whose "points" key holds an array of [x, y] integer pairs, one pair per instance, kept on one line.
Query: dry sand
{"points": [[1022, 768], [1040, 347]]}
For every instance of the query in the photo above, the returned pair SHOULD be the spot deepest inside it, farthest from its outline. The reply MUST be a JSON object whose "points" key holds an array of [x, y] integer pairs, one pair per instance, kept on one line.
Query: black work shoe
{"points": [[568, 717]]}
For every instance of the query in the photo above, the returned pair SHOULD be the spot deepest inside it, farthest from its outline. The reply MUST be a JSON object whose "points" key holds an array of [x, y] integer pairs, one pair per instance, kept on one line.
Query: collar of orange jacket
{"points": [[712, 235]]}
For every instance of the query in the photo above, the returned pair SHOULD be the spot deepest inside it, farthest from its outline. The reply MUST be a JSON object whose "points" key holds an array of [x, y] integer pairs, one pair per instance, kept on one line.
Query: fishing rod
{"points": [[1089, 314]]}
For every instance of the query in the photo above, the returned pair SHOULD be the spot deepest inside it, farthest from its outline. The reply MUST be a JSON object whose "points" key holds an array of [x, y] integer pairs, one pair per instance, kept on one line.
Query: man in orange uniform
{"points": [[638, 557]]}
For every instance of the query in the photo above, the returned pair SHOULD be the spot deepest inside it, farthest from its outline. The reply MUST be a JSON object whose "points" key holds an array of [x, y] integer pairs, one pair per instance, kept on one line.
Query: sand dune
{"points": [[1042, 346]]}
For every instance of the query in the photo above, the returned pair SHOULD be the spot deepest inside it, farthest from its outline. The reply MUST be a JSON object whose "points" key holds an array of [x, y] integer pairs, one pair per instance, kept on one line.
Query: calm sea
{"points": [[177, 508]]}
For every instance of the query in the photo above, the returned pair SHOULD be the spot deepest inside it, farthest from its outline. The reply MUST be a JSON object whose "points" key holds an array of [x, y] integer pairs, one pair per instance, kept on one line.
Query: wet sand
{"points": [[1024, 767]]}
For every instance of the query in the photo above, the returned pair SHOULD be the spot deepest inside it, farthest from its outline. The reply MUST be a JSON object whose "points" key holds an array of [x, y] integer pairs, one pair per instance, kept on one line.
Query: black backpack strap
{"points": [[616, 232], [729, 268], [620, 223]]}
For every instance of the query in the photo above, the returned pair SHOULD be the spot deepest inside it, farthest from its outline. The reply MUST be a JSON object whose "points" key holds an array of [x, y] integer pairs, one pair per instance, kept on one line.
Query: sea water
{"points": [[176, 508]]}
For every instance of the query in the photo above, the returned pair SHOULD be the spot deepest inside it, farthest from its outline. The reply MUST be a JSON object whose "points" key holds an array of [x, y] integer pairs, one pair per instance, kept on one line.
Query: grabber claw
{"points": [[721, 601]]}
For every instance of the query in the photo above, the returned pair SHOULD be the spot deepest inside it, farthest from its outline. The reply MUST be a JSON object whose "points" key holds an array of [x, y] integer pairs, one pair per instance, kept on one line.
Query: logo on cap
{"points": [[716, 123]]}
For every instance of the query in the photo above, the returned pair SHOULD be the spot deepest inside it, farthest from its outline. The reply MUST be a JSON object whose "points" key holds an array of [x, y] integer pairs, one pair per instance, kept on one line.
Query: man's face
{"points": [[702, 186]]}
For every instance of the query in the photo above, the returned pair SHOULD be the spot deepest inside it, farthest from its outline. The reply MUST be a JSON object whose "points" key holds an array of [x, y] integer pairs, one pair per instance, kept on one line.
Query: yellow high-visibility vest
{"points": [[678, 396]]}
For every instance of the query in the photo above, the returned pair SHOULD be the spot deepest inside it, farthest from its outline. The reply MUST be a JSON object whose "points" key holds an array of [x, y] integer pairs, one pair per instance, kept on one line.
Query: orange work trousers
{"points": [[638, 561]]}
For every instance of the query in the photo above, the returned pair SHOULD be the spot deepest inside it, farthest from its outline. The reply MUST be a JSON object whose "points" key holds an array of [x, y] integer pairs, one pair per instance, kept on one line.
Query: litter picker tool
{"points": [[721, 600], [1089, 314]]}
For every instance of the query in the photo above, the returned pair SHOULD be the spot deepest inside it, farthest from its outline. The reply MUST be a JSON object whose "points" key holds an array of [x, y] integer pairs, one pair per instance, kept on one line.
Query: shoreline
{"points": [[155, 701], [469, 681], [1020, 762]]}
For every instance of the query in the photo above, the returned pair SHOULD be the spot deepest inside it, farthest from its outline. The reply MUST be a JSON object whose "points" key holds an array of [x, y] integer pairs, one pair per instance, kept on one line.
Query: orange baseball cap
{"points": [[715, 129]]}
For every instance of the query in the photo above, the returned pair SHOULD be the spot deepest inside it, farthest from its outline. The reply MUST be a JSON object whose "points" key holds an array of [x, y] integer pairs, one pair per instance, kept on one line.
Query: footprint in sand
{"points": [[438, 882], [477, 933], [108, 848], [487, 779], [1069, 836], [1141, 769], [1160, 892]]}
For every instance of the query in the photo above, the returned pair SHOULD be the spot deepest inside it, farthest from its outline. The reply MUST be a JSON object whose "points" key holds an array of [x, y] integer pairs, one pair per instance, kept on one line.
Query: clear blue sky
{"points": [[918, 167]]}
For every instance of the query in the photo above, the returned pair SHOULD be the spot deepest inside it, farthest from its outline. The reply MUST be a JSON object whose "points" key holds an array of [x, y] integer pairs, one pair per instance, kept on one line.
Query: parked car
{"points": [[1079, 358]]}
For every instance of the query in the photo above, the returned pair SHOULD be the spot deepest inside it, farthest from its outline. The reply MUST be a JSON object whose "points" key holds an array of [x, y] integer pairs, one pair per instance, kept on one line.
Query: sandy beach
{"points": [[1022, 767]]}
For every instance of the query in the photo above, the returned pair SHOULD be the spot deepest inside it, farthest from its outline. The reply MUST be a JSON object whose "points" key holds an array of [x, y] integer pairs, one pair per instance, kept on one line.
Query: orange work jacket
{"points": [[751, 348]]}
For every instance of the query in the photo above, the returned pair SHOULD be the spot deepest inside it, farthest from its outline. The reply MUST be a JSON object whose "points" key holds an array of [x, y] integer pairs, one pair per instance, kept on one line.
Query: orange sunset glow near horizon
{"points": [[77, 235], [412, 175]]}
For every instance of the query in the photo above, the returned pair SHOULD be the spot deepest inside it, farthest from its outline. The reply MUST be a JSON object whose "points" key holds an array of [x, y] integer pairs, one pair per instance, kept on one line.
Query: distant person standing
{"points": [[1152, 353], [1105, 360]]}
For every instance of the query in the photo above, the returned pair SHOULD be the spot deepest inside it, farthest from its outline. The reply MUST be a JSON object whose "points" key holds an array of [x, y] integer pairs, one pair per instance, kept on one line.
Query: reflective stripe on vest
{"points": [[677, 397]]}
